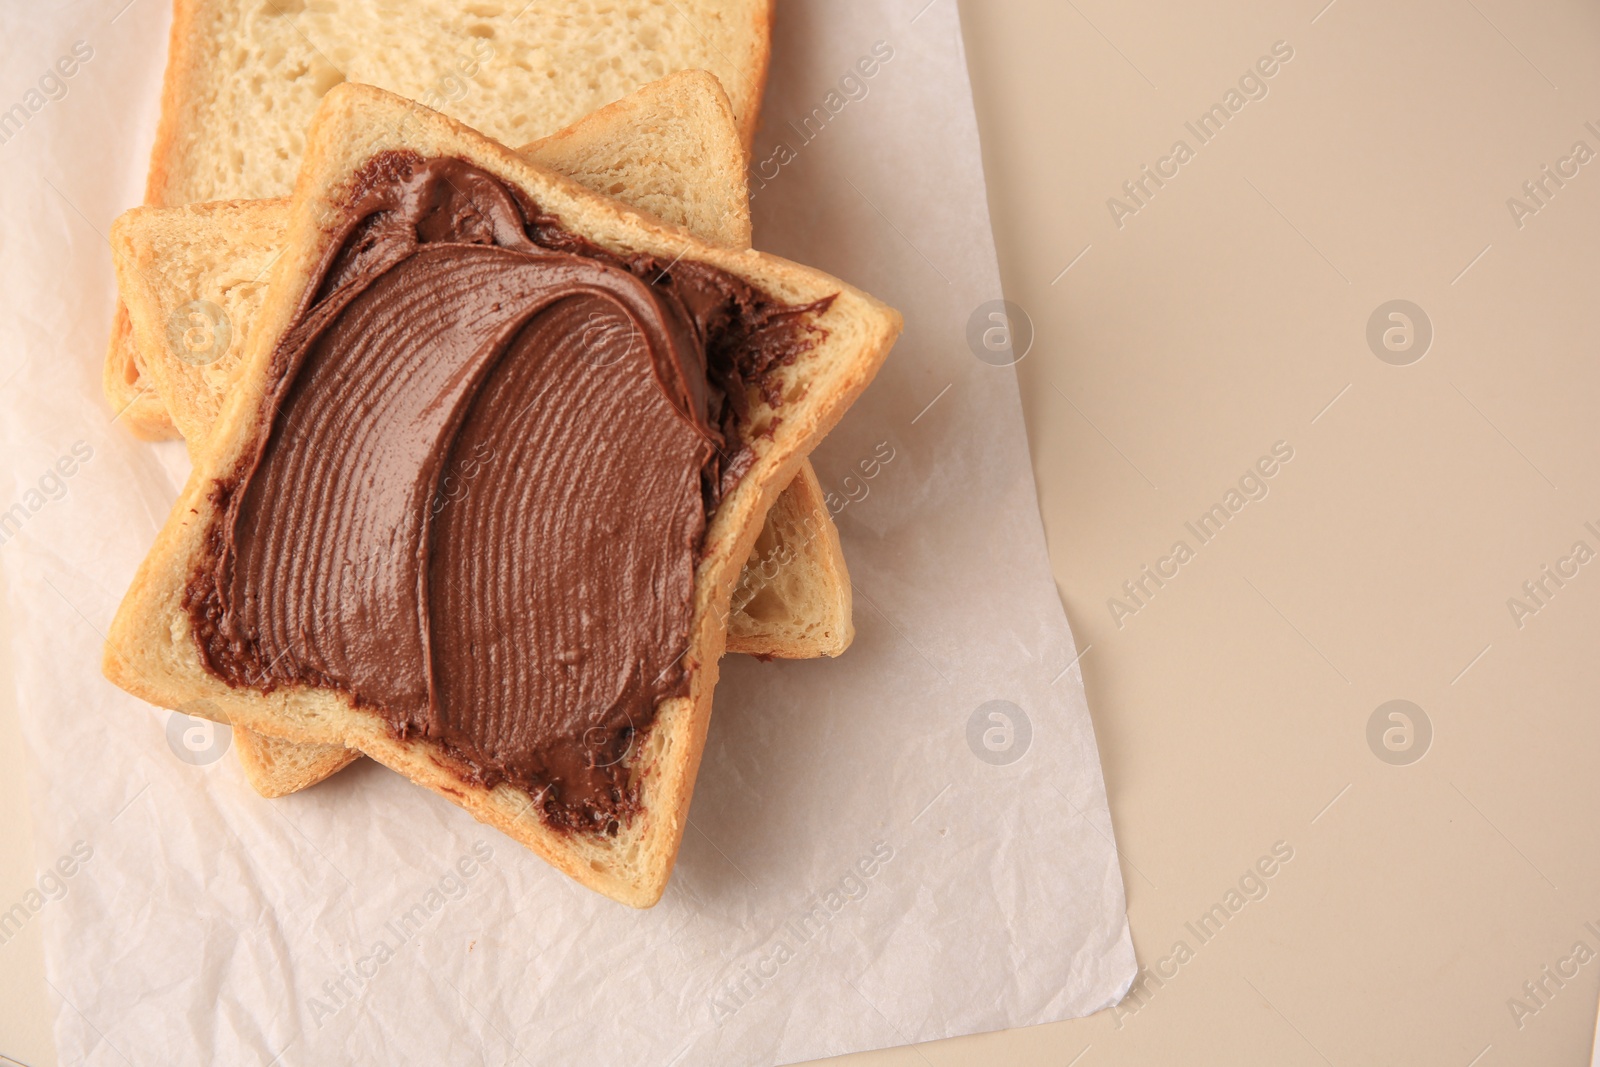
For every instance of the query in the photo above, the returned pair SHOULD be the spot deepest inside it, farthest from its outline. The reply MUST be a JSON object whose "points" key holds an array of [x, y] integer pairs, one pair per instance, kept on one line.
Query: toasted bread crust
{"points": [[137, 405]]}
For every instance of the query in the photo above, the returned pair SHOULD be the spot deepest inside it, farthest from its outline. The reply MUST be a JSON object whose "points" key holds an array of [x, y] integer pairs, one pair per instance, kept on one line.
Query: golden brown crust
{"points": [[174, 89], [137, 405], [761, 64], [122, 380]]}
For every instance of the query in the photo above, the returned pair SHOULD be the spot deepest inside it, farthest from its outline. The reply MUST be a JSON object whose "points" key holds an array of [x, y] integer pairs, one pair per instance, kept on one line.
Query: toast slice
{"points": [[153, 649], [244, 76], [671, 147]]}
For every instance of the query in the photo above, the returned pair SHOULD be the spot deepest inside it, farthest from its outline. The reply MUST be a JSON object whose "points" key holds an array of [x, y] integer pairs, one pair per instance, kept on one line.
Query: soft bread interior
{"points": [[244, 77], [151, 651], [794, 592], [276, 767], [248, 74]]}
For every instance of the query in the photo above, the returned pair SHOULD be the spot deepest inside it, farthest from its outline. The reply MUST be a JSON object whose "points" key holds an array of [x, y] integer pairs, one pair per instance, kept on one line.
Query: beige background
{"points": [[1230, 313]]}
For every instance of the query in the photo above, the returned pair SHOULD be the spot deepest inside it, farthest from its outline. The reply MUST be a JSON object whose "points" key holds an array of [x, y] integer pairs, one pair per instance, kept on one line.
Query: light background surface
{"points": [[1228, 314]]}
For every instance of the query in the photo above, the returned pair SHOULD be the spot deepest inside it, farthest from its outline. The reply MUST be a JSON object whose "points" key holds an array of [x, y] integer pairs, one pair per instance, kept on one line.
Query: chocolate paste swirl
{"points": [[589, 409]]}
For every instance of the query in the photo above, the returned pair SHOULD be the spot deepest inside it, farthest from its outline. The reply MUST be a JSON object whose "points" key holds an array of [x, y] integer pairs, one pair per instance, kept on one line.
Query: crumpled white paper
{"points": [[908, 843]]}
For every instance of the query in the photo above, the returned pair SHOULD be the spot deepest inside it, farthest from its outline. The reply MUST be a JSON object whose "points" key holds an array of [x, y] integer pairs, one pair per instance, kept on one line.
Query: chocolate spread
{"points": [[531, 618]]}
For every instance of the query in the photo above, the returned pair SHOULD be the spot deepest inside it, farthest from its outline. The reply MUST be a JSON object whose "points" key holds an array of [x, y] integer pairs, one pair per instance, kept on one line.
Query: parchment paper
{"points": [[908, 843]]}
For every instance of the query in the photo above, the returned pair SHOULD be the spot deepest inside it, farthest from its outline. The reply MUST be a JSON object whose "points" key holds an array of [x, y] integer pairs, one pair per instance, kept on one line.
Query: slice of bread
{"points": [[276, 767], [672, 146], [244, 76], [152, 652]]}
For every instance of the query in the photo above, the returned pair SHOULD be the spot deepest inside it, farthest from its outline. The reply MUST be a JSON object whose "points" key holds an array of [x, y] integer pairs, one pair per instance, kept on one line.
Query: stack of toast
{"points": [[634, 126]]}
